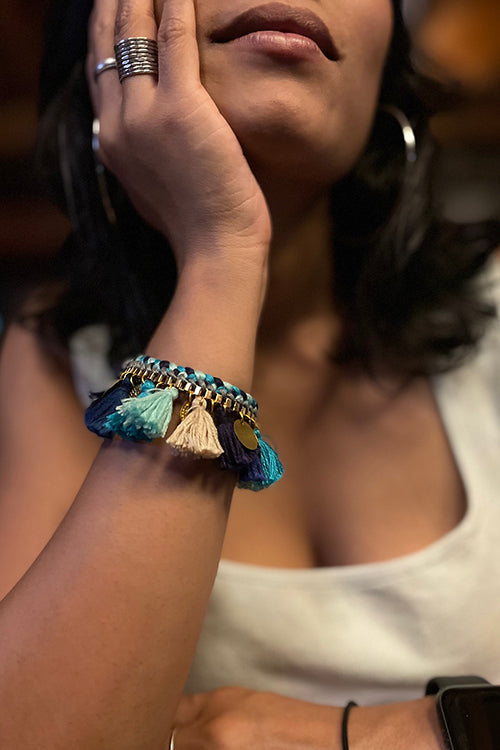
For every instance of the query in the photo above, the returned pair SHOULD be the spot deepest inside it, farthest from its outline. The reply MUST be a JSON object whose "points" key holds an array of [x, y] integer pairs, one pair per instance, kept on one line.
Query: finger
{"points": [[188, 709], [179, 60], [136, 18], [105, 90]]}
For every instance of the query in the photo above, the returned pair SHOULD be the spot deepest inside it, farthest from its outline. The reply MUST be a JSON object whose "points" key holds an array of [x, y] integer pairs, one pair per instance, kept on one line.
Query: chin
{"points": [[281, 134]]}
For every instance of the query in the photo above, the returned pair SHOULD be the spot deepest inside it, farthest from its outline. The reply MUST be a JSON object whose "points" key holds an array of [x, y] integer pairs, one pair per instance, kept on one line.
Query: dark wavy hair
{"points": [[404, 280]]}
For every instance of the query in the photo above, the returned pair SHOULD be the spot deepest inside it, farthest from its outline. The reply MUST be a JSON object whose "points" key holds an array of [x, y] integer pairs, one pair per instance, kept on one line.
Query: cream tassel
{"points": [[196, 435]]}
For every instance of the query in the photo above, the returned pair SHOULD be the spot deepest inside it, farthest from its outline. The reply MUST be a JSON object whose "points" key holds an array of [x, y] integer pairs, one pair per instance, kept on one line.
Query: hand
{"points": [[235, 718], [166, 141]]}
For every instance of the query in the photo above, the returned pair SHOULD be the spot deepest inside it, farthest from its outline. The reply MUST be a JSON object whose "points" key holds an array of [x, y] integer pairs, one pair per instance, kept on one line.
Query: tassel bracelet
{"points": [[217, 420]]}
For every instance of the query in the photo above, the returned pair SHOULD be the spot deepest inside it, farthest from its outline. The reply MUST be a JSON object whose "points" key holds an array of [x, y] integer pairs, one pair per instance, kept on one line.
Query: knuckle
{"points": [[129, 22], [227, 731], [123, 21], [171, 31], [100, 27]]}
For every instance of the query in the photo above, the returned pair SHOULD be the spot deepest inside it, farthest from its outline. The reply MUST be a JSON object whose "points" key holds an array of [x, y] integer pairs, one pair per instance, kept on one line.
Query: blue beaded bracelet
{"points": [[217, 420]]}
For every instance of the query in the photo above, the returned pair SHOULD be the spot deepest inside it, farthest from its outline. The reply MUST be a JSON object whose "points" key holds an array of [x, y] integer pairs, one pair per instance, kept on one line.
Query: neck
{"points": [[299, 309]]}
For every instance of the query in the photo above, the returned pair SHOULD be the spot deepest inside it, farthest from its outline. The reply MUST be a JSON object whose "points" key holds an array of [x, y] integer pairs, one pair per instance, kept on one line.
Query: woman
{"points": [[236, 170]]}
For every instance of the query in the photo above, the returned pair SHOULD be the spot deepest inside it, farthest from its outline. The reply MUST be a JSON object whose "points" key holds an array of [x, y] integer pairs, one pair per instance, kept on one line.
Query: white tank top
{"points": [[376, 632]]}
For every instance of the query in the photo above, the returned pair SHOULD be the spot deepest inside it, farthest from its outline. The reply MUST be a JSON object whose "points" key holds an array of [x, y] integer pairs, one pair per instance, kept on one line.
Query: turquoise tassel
{"points": [[272, 468], [146, 417], [155, 412], [116, 425]]}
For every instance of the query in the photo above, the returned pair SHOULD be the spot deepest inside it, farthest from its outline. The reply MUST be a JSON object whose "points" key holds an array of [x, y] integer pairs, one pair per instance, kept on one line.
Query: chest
{"points": [[368, 478]]}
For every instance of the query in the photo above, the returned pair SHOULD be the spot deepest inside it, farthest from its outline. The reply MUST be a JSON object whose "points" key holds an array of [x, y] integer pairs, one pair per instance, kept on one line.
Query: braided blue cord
{"points": [[199, 378]]}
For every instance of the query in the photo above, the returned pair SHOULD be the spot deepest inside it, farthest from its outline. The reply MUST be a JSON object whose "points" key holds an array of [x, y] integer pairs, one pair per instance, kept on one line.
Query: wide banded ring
{"points": [[136, 56]]}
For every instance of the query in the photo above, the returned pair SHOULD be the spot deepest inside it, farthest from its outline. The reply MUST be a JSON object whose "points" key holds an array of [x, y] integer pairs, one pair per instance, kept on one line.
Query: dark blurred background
{"points": [[31, 229], [458, 39]]}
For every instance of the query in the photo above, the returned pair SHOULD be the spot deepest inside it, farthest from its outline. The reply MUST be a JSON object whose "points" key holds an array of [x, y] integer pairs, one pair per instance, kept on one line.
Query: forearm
{"points": [[237, 717], [97, 638]]}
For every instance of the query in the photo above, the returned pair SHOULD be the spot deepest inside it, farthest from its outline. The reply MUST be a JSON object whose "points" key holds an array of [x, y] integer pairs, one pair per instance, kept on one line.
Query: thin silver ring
{"points": [[108, 64], [136, 56], [172, 739]]}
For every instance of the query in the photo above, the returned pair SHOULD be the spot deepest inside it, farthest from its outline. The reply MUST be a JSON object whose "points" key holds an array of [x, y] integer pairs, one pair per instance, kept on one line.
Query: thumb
{"points": [[178, 56]]}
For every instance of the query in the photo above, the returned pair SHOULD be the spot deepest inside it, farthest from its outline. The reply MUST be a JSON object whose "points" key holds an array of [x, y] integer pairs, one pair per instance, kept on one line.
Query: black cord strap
{"points": [[345, 719]]}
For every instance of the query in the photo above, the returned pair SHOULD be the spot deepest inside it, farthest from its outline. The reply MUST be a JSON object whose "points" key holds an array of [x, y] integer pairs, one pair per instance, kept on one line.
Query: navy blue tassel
{"points": [[235, 456], [104, 405], [252, 477], [270, 469]]}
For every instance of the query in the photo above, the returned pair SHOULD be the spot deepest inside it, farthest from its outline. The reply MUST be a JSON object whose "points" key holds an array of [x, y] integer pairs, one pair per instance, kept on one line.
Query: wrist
{"points": [[304, 725], [211, 323], [412, 724], [224, 264]]}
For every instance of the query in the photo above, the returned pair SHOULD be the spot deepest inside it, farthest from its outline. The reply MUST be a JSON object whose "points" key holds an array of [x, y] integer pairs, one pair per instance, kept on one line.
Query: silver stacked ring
{"points": [[108, 64], [136, 56]]}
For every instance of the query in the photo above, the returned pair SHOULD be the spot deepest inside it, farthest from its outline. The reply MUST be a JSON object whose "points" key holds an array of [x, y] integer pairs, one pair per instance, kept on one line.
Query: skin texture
{"points": [[236, 718], [301, 126], [209, 161], [305, 122]]}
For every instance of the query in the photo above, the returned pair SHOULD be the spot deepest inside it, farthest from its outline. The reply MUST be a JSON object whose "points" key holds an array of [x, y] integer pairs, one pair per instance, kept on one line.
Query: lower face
{"points": [[296, 112]]}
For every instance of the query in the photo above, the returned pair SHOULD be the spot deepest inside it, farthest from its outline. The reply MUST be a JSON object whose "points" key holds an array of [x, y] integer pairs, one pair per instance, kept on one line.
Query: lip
{"points": [[279, 17]]}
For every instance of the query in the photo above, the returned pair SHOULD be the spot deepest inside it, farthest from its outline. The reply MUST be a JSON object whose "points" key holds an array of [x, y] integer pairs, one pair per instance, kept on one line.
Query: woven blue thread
{"points": [[199, 378]]}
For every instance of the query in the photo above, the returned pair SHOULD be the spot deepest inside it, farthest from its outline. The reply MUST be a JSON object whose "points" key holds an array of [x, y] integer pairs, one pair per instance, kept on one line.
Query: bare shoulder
{"points": [[39, 408], [45, 450]]}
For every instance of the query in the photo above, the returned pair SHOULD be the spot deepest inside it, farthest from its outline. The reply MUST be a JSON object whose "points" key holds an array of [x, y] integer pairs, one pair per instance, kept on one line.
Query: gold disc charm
{"points": [[246, 435]]}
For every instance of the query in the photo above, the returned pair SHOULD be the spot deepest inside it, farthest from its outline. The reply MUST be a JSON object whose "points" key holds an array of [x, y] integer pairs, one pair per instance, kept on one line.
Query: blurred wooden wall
{"points": [[462, 40]]}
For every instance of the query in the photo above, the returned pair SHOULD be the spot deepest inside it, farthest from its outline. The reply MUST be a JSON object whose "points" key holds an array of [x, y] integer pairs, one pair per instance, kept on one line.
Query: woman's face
{"points": [[297, 110]]}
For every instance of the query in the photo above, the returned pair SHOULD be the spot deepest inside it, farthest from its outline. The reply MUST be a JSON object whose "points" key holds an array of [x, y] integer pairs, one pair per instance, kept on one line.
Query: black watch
{"points": [[469, 712]]}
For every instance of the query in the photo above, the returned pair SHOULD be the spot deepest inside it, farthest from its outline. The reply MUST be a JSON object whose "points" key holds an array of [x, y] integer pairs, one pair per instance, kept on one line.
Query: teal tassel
{"points": [[272, 468], [157, 413], [115, 424], [146, 417], [151, 412]]}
